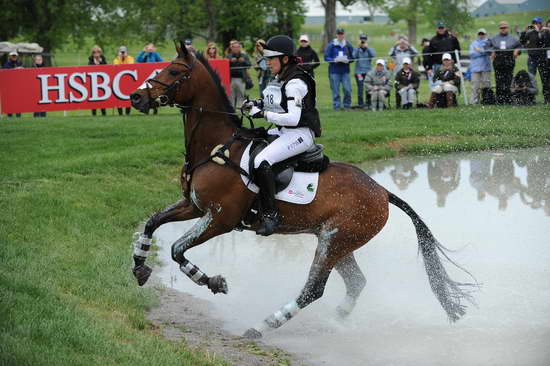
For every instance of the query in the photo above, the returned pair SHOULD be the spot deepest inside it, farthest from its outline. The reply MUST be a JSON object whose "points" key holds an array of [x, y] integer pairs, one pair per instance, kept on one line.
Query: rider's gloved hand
{"points": [[256, 112], [247, 104]]}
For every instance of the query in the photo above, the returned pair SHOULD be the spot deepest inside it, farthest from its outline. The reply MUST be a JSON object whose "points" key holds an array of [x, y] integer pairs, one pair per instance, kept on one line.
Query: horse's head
{"points": [[171, 86]]}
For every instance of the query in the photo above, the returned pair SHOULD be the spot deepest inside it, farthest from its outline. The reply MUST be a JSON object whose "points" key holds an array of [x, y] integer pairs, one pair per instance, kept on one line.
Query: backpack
{"points": [[487, 96]]}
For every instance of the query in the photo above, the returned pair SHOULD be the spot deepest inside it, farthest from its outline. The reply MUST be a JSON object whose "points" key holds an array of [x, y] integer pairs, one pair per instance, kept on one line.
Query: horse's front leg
{"points": [[213, 223], [180, 211]]}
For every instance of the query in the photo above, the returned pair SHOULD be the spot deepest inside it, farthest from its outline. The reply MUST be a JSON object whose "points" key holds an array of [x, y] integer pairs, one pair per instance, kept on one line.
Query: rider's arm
{"points": [[296, 90]]}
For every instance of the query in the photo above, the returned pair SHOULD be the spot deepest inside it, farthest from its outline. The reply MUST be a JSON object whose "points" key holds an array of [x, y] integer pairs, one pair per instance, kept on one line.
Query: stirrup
{"points": [[269, 224]]}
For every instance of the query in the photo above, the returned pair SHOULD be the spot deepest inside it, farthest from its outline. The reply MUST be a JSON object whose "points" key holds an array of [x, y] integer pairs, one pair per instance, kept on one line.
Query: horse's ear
{"points": [[181, 49]]}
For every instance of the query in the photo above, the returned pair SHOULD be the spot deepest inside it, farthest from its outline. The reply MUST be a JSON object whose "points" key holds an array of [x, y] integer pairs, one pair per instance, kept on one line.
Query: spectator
{"points": [[531, 38], [238, 63], [446, 83], [504, 50], [189, 45], [97, 58], [339, 53], [363, 56], [149, 54], [480, 65], [545, 71], [13, 62], [123, 59], [407, 82], [308, 55], [264, 73], [378, 85], [211, 51], [426, 57], [38, 61], [441, 43], [400, 50], [524, 88]]}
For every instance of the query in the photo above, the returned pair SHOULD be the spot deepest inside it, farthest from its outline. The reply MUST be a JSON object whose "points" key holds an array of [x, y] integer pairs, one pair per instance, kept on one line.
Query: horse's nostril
{"points": [[135, 97]]}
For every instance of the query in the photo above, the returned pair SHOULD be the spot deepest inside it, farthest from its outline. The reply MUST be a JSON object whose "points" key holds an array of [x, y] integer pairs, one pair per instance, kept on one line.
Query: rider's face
{"points": [[274, 64]]}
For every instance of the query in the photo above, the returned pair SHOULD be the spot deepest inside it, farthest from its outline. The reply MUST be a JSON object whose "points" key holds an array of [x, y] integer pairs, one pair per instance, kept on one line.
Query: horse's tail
{"points": [[450, 294]]}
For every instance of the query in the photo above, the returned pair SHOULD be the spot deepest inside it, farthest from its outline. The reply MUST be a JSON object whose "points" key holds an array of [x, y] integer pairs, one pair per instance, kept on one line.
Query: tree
{"points": [[330, 18]]}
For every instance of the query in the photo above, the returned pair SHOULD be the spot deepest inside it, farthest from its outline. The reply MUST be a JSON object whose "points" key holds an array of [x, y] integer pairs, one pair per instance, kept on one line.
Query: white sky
{"points": [[314, 8]]}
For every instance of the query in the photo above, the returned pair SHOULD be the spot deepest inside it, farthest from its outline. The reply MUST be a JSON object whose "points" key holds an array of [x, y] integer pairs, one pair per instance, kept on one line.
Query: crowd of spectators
{"points": [[401, 72]]}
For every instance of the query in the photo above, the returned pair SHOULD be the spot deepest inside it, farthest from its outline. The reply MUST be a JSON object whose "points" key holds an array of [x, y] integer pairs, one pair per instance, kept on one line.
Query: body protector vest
{"points": [[275, 99]]}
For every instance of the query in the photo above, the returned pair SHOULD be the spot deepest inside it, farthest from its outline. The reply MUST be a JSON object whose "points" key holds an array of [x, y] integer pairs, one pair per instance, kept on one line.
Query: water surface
{"points": [[493, 207]]}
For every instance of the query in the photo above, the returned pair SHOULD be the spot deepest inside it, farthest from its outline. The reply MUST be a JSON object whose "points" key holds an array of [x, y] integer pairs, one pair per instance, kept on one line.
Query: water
{"points": [[493, 207]]}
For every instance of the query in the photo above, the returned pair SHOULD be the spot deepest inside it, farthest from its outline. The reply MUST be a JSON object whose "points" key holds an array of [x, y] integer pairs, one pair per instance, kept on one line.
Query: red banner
{"points": [[81, 87]]}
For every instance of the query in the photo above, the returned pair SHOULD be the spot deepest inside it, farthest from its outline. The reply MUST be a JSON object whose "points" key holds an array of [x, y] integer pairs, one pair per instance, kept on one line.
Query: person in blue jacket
{"points": [[339, 53], [480, 65], [149, 54], [363, 56]]}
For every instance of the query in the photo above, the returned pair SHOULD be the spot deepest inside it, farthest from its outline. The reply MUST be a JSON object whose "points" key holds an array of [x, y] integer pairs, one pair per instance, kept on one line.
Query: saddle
{"points": [[311, 161]]}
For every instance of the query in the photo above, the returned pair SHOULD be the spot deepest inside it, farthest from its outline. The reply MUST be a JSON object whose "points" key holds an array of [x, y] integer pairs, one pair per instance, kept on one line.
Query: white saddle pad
{"points": [[301, 190]]}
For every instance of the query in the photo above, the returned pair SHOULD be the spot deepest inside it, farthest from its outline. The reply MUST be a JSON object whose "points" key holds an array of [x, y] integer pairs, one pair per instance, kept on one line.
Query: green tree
{"points": [[330, 18]]}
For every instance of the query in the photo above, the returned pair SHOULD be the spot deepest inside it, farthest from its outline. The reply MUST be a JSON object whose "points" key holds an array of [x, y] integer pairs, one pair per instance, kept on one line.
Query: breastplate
{"points": [[273, 97]]}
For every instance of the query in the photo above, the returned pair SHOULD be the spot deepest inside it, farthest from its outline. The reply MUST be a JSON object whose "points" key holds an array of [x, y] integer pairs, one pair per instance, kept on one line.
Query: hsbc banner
{"points": [[82, 87]]}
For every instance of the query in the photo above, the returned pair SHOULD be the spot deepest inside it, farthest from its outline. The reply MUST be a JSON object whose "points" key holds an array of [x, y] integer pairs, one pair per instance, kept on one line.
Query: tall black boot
{"points": [[266, 180]]}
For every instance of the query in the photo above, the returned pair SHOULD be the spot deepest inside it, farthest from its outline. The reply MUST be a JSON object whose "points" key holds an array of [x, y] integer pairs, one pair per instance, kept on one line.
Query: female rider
{"points": [[289, 103]]}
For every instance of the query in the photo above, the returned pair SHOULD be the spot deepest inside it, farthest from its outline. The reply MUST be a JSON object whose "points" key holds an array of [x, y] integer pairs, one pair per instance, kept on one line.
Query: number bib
{"points": [[273, 97]]}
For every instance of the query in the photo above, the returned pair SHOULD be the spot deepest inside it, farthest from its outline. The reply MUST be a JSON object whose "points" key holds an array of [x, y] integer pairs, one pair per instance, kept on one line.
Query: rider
{"points": [[288, 103]]}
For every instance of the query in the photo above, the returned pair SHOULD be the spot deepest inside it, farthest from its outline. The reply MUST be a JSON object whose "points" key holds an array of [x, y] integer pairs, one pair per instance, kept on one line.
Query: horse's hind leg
{"points": [[354, 280], [180, 211], [322, 265]]}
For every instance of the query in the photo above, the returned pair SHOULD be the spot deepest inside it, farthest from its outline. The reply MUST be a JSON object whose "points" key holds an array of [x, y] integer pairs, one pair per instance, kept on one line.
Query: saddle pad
{"points": [[301, 190]]}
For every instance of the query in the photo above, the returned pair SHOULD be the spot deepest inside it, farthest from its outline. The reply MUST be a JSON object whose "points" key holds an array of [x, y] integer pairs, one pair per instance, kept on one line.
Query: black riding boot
{"points": [[266, 180]]}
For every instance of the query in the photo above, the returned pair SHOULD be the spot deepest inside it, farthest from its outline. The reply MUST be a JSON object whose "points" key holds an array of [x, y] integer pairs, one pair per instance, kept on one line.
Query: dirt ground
{"points": [[184, 318]]}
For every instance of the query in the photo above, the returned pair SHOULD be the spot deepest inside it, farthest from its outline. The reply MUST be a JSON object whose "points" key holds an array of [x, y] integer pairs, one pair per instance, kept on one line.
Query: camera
{"points": [[530, 27]]}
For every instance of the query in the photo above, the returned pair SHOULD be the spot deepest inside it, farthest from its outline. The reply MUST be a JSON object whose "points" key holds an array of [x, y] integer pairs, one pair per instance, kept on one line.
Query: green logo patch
{"points": [[310, 187]]}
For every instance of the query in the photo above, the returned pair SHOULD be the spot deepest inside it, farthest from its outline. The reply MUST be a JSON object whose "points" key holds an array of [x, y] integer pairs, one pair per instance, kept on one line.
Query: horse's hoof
{"points": [[252, 333], [341, 312], [142, 273], [217, 284]]}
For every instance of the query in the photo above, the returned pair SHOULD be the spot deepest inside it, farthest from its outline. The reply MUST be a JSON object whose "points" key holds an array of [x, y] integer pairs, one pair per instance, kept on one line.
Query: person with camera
{"points": [[524, 88], [363, 56], [149, 54], [401, 50], [123, 59], [504, 50], [531, 38], [238, 64]]}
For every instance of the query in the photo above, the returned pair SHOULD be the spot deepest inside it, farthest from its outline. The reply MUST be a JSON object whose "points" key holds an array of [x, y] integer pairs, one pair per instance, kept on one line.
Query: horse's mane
{"points": [[226, 104]]}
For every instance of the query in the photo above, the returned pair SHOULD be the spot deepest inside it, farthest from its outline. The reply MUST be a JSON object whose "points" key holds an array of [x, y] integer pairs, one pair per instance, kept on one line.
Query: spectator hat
{"points": [[407, 60], [381, 61], [340, 31], [537, 20], [123, 49], [440, 25], [363, 37], [188, 42], [481, 31], [446, 56], [13, 53], [304, 37], [504, 23]]}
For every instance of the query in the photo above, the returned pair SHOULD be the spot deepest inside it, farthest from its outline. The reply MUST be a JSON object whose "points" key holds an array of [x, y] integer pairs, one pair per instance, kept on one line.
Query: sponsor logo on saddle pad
{"points": [[301, 190]]}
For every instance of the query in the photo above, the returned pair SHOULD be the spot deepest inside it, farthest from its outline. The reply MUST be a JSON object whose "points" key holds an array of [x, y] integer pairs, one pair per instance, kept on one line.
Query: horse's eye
{"points": [[174, 72]]}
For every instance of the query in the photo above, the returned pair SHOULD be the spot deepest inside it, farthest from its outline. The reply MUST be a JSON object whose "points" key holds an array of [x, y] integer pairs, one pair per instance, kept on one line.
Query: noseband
{"points": [[167, 98]]}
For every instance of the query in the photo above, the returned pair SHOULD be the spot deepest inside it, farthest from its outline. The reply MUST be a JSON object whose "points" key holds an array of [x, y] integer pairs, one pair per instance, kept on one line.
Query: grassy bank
{"points": [[73, 190]]}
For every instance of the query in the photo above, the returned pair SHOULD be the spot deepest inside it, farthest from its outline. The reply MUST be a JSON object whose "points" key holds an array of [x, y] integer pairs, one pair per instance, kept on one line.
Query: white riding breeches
{"points": [[445, 87], [291, 142]]}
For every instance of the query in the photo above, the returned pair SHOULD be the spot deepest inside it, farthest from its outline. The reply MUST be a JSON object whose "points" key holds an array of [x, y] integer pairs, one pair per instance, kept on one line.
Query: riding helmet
{"points": [[279, 46]]}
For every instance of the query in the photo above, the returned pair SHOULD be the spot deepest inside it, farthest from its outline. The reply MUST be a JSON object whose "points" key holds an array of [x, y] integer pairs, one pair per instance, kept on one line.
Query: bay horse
{"points": [[349, 209]]}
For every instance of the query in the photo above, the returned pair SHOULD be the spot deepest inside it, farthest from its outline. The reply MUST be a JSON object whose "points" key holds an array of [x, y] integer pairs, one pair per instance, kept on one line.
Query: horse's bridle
{"points": [[167, 98]]}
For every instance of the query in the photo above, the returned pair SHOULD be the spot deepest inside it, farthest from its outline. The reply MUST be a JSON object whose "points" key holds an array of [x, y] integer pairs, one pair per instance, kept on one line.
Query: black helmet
{"points": [[279, 46]]}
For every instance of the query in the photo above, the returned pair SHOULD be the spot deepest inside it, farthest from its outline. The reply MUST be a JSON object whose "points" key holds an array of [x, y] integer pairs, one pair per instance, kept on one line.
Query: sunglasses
{"points": [[303, 41], [503, 28]]}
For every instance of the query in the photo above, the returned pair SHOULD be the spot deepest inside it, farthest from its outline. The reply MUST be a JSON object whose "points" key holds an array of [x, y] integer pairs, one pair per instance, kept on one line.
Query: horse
{"points": [[349, 209]]}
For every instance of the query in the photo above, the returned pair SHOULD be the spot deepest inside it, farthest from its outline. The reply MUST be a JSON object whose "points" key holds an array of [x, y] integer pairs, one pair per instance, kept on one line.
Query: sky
{"points": [[314, 8]]}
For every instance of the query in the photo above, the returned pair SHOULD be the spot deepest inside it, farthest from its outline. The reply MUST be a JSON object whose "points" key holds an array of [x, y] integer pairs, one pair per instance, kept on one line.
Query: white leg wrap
{"points": [[348, 304], [280, 317], [142, 246]]}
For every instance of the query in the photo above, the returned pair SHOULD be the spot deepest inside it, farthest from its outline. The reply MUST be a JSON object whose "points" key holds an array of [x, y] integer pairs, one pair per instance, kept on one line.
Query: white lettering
{"points": [[96, 86], [45, 88], [146, 84], [116, 83], [81, 88]]}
